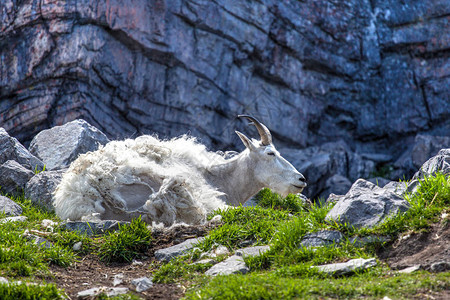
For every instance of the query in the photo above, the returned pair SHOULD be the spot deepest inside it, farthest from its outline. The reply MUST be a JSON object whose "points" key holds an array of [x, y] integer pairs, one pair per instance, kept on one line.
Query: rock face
{"points": [[58, 146], [329, 168], [366, 205], [372, 73]]}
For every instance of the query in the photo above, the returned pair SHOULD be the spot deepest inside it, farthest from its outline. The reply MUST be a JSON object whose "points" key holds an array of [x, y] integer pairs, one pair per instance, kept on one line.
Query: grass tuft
{"points": [[243, 224], [29, 291], [179, 269], [268, 199], [126, 244]]}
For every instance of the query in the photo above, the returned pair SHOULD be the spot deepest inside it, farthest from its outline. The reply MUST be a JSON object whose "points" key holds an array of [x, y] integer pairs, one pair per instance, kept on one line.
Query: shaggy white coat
{"points": [[161, 180]]}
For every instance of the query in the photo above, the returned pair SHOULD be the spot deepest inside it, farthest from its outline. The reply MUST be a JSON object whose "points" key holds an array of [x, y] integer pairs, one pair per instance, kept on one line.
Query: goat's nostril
{"points": [[302, 179]]}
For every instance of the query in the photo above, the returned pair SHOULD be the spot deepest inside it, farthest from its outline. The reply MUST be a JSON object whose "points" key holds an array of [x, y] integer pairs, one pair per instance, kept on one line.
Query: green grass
{"points": [[267, 199], [179, 270], [426, 205], [25, 291], [370, 285], [255, 224], [18, 256], [21, 259], [283, 272], [127, 243]]}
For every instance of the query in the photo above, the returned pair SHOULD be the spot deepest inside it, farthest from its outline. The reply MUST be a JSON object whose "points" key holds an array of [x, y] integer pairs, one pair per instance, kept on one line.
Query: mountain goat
{"points": [[171, 181]]}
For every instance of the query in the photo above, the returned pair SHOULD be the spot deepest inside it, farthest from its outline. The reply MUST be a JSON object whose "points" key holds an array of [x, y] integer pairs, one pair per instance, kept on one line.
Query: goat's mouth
{"points": [[300, 187]]}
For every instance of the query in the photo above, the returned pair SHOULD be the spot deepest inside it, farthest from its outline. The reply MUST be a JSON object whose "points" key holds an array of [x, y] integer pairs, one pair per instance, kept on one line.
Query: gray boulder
{"points": [[59, 146], [204, 261], [41, 186], [12, 149], [440, 266], [167, 254], [235, 264], [438, 163], [349, 267], [14, 177], [40, 241], [322, 238], [362, 241], [232, 265], [333, 198], [91, 227], [366, 205], [252, 251], [396, 187], [9, 207]]}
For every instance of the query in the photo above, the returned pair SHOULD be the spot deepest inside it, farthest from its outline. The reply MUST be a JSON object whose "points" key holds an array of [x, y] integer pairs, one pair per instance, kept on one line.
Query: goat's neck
{"points": [[235, 178]]}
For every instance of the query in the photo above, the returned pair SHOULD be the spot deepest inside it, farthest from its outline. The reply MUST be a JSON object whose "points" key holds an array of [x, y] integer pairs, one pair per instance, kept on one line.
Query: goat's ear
{"points": [[246, 141]]}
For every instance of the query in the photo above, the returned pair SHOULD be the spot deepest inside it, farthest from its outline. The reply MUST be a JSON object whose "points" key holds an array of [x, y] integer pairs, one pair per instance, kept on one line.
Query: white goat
{"points": [[171, 181]]}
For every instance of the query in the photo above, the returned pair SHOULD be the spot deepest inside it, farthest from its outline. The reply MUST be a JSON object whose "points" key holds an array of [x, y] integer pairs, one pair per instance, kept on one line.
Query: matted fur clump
{"points": [[161, 180]]}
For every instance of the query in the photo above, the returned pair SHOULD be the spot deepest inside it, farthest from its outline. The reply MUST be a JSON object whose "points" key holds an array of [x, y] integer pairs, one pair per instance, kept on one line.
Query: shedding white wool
{"points": [[163, 181]]}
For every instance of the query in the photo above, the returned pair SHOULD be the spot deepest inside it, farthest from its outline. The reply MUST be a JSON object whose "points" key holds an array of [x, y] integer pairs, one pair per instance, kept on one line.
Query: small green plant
{"points": [[68, 239], [126, 244], [37, 171]]}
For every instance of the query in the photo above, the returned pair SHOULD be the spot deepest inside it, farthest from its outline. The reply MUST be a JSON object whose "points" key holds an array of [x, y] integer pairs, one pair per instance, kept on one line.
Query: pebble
{"points": [[118, 279], [77, 246], [142, 284]]}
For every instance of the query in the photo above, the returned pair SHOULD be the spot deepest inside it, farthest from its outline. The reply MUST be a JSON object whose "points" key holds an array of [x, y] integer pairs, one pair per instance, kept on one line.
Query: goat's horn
{"points": [[264, 133]]}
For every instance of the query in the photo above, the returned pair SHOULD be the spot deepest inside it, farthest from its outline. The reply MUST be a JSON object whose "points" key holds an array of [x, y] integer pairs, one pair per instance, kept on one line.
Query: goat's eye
{"points": [[271, 153]]}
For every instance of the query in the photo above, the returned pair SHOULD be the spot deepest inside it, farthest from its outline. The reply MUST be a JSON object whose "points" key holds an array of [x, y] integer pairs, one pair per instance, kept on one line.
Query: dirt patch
{"points": [[425, 249], [89, 272]]}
